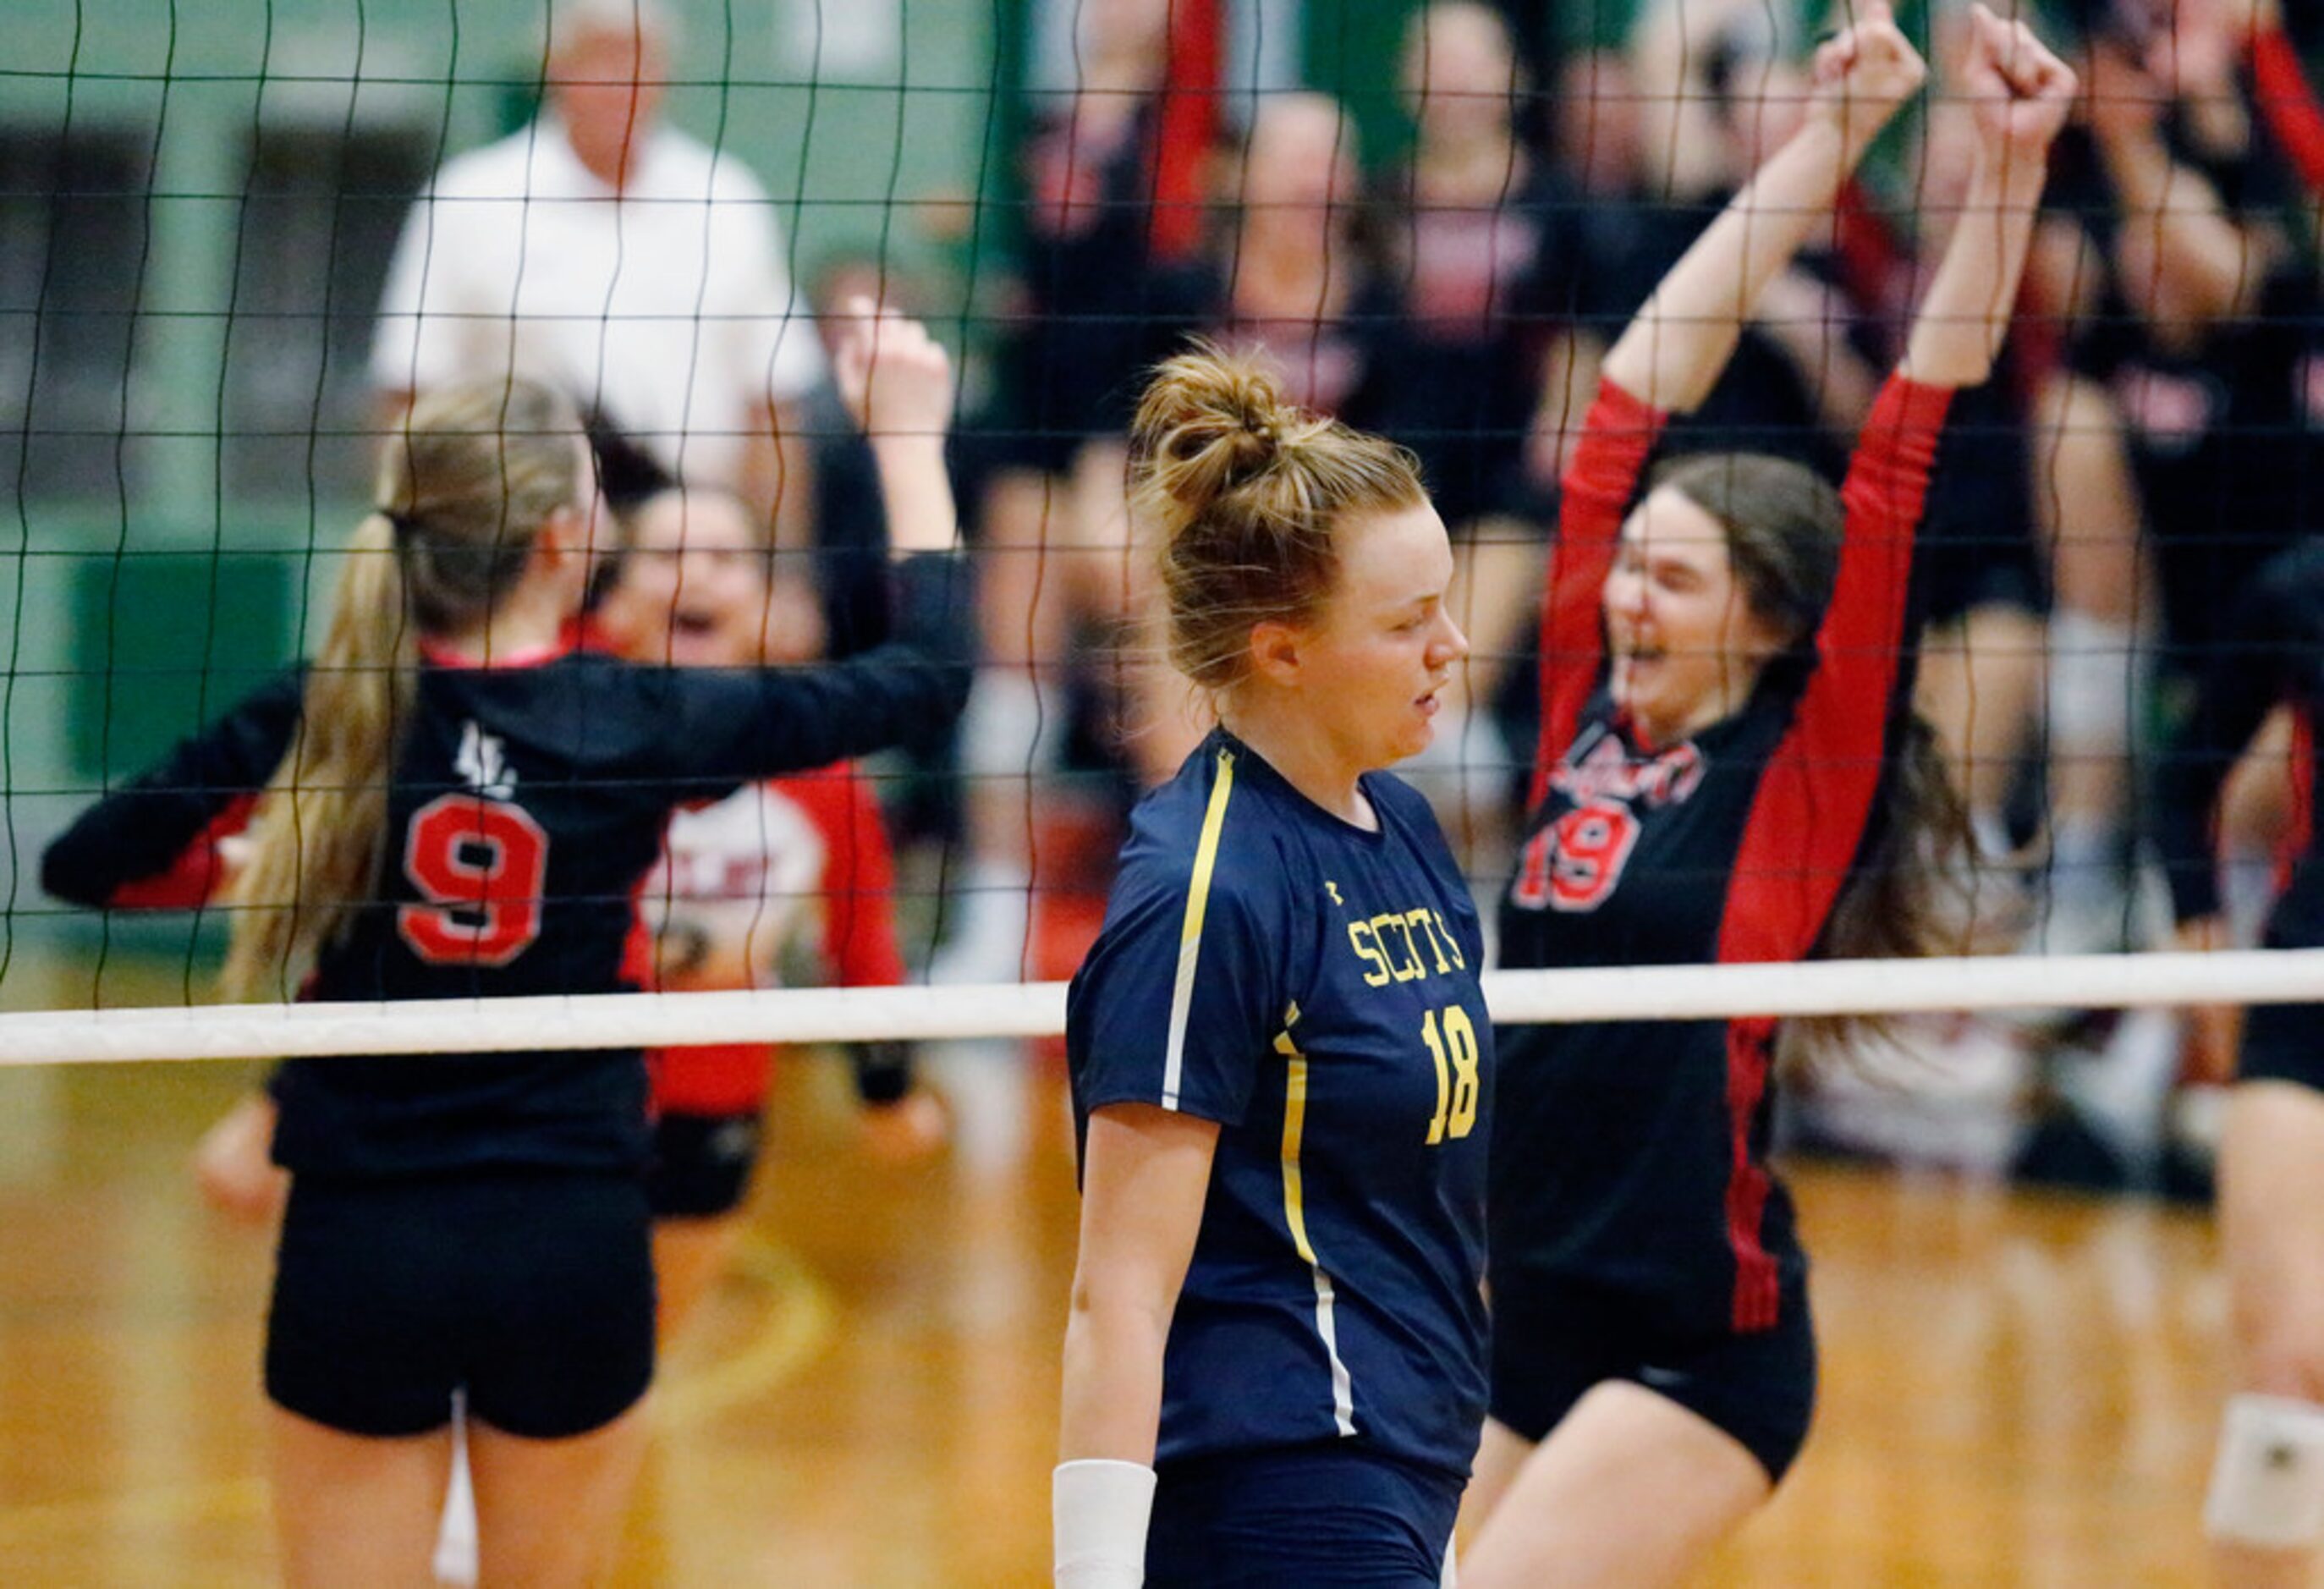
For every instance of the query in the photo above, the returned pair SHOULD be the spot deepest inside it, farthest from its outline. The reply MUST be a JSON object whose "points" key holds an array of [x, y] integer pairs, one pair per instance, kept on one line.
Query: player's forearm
{"points": [[1111, 1404], [2198, 245], [1965, 315], [917, 490], [1672, 353]]}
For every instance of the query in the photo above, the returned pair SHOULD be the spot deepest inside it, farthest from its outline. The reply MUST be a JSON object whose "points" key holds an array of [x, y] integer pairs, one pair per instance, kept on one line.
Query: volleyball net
{"points": [[203, 234], [1037, 1010]]}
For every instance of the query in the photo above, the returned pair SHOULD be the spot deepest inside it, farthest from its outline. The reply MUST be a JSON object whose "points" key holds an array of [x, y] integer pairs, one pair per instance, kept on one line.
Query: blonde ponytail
{"points": [[317, 828], [463, 486]]}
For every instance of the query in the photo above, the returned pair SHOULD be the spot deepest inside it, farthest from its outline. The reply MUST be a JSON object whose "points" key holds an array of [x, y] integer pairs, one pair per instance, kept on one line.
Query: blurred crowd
{"points": [[2149, 445]]}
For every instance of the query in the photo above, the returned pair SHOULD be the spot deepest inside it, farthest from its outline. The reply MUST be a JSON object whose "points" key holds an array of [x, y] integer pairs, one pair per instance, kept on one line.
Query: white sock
{"points": [[984, 1086], [988, 925], [2084, 869], [2247, 890], [1006, 729], [1007, 736], [2094, 677], [455, 1533]]}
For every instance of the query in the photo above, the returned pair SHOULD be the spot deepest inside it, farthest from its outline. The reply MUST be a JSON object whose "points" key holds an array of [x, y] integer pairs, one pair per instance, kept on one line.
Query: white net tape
{"points": [[816, 1015]]}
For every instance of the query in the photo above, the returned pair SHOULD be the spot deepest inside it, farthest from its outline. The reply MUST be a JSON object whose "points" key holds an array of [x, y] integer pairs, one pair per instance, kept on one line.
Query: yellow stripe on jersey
{"points": [[1190, 937], [1294, 1125], [1294, 1215]]}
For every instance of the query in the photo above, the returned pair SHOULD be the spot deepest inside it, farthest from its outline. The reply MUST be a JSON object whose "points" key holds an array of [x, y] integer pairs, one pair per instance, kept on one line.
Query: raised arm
{"points": [[2020, 93], [897, 382], [2198, 247], [1672, 352], [1818, 795]]}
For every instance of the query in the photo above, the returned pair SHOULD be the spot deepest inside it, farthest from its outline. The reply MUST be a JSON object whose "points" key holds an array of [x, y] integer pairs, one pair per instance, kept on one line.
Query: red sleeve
{"points": [[198, 874], [2288, 104], [1616, 439], [859, 877], [1816, 795]]}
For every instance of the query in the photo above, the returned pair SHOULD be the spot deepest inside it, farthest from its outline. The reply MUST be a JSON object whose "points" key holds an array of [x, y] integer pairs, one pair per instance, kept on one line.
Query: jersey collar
{"points": [[532, 656]]}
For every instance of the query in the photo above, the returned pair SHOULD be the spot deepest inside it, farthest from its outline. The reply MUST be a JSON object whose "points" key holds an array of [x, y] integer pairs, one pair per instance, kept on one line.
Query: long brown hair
{"points": [[464, 484], [1241, 491], [1906, 891]]}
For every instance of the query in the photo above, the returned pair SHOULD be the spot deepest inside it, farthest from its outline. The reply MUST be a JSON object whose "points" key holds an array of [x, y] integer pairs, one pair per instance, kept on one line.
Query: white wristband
{"points": [[1099, 1508]]}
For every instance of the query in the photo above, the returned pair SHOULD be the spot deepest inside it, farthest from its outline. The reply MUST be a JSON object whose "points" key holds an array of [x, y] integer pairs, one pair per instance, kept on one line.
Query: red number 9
{"points": [[481, 865]]}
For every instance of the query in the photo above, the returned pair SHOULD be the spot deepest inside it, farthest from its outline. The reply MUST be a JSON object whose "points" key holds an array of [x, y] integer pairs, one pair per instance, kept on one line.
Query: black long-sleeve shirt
{"points": [[526, 805]]}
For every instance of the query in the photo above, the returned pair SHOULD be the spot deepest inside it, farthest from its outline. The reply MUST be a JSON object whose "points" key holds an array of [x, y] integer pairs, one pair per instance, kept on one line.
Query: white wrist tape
{"points": [[2268, 1486], [1099, 1509]]}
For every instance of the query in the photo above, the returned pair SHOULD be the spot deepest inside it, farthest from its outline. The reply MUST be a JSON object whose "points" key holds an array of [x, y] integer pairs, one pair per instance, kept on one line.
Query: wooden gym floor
{"points": [[2019, 1389]]}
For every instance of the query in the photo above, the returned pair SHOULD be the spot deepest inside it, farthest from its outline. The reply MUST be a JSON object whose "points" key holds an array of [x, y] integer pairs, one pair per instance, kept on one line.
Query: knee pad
{"points": [[2267, 1485]]}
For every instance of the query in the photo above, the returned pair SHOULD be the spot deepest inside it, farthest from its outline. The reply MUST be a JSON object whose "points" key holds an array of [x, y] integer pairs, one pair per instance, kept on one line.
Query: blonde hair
{"points": [[1243, 492], [464, 484]]}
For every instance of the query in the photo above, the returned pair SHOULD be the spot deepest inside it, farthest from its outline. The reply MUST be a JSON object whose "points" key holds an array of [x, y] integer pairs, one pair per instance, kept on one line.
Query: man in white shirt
{"points": [[620, 260]]}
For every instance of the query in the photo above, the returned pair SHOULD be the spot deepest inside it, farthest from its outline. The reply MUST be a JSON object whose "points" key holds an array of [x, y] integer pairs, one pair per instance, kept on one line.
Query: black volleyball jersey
{"points": [[1086, 251], [2274, 656], [1632, 1155], [1486, 289], [1313, 988], [527, 805]]}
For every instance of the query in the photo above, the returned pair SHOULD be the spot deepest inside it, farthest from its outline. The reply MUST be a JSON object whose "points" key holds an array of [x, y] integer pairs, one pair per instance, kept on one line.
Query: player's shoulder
{"points": [[1216, 825]]}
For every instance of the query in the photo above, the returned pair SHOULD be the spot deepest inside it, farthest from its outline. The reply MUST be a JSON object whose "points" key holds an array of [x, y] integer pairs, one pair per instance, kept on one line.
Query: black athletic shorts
{"points": [[1551, 1347], [533, 1292], [1328, 1514], [2284, 1042], [701, 1164]]}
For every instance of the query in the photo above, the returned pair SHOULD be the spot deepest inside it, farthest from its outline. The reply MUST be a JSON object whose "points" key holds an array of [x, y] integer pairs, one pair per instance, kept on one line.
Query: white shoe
{"points": [[2122, 1090], [1941, 1091]]}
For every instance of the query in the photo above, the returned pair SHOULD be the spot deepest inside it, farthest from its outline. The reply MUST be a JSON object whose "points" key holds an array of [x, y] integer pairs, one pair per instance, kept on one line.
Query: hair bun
{"points": [[1210, 423]]}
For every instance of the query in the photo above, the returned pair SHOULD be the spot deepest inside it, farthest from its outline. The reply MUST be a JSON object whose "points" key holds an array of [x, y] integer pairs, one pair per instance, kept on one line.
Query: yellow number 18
{"points": [[1455, 1050]]}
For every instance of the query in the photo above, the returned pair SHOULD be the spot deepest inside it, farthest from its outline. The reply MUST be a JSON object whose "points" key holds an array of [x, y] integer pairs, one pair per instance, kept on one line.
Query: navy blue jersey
{"points": [[1630, 1157], [1313, 988], [2277, 658], [526, 805]]}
